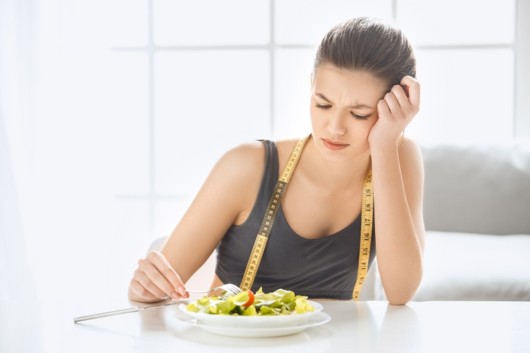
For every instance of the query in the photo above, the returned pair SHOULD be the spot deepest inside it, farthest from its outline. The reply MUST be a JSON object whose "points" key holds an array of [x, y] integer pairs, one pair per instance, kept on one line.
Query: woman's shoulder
{"points": [[254, 151], [242, 159], [237, 174], [247, 150], [249, 157]]}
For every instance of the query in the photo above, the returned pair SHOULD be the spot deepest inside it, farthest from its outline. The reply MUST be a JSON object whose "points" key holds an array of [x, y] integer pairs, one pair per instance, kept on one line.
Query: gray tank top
{"points": [[318, 268]]}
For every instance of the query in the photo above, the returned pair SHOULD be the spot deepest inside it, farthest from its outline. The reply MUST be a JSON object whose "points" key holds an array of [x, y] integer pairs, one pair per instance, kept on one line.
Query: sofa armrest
{"points": [[477, 189]]}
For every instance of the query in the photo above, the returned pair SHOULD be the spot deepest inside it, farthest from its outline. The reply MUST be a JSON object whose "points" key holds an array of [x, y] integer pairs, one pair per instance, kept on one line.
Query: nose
{"points": [[336, 125]]}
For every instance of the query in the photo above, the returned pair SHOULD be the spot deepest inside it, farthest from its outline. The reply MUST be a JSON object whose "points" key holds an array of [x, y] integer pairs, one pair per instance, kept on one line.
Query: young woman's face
{"points": [[343, 110]]}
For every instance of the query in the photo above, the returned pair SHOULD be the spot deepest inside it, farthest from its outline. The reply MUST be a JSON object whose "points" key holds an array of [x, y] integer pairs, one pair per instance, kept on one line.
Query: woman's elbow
{"points": [[402, 295]]}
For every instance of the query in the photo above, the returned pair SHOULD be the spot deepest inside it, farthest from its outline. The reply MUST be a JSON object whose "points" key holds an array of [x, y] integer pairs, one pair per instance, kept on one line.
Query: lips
{"points": [[334, 145]]}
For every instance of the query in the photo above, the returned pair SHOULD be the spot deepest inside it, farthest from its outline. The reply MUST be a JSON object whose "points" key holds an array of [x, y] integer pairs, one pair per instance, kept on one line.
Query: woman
{"points": [[363, 96]]}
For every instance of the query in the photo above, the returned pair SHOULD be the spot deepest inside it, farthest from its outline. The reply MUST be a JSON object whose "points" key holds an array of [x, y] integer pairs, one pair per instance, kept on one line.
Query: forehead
{"points": [[353, 85]]}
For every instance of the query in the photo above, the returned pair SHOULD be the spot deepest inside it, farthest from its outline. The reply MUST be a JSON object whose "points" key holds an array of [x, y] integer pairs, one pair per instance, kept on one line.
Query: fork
{"points": [[224, 290]]}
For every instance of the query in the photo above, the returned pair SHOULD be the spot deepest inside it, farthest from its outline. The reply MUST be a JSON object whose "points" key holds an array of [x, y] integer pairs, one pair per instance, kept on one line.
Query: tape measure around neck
{"points": [[272, 209], [270, 214]]}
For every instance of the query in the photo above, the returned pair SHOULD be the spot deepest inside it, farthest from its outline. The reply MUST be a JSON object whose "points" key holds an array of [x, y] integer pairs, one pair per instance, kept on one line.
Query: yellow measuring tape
{"points": [[272, 209], [367, 214]]}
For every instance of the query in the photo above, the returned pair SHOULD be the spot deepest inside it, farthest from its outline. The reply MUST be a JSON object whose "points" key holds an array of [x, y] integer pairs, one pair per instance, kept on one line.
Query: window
{"points": [[467, 67]]}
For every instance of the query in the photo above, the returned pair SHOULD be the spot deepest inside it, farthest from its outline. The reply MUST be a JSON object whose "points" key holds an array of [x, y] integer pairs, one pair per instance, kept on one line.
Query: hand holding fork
{"points": [[224, 290]]}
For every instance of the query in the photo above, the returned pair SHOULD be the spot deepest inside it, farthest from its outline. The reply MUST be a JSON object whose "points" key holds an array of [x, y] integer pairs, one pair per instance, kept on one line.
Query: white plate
{"points": [[315, 320], [259, 322]]}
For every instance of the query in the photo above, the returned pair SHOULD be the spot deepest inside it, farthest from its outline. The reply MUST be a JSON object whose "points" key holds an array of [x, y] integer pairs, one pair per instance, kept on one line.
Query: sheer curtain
{"points": [[71, 144], [15, 146], [14, 271]]}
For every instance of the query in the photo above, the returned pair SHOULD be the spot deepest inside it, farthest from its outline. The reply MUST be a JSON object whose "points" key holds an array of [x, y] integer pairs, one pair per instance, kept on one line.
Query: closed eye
{"points": [[360, 117], [322, 106]]}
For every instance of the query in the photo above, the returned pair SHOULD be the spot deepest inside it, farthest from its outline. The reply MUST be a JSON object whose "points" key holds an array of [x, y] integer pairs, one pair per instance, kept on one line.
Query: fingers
{"points": [[138, 292], [383, 109], [155, 279], [395, 110], [394, 99], [413, 89], [390, 106], [152, 280], [403, 99], [164, 267]]}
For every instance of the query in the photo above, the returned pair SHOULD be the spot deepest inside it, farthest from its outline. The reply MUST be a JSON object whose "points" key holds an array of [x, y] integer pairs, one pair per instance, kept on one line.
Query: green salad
{"points": [[247, 303]]}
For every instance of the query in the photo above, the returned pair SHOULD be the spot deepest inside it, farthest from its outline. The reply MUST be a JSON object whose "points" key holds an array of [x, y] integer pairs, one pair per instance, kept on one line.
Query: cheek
{"points": [[369, 126], [361, 129]]}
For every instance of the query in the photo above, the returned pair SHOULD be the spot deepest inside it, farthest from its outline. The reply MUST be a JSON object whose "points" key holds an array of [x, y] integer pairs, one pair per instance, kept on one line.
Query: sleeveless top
{"points": [[318, 268]]}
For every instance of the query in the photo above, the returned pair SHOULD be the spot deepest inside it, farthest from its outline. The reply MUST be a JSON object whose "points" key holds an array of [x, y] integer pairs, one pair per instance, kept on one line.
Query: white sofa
{"points": [[477, 216]]}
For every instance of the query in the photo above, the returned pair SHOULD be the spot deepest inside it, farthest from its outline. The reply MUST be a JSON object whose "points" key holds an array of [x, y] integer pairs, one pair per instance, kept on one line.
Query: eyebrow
{"points": [[355, 106]]}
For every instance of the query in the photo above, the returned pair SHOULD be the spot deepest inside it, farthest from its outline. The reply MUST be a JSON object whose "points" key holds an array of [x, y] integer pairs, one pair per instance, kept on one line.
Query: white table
{"points": [[355, 327]]}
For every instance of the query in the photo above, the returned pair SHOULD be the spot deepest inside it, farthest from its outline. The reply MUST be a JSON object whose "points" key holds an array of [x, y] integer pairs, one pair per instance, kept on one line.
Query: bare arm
{"points": [[227, 193], [398, 193]]}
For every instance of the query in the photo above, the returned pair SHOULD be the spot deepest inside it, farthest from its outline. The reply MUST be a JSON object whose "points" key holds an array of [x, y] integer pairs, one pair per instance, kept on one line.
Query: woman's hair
{"points": [[369, 45]]}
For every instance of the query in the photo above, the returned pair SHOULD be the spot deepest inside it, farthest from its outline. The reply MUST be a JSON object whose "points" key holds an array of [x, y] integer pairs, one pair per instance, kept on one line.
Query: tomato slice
{"points": [[244, 299], [250, 300]]}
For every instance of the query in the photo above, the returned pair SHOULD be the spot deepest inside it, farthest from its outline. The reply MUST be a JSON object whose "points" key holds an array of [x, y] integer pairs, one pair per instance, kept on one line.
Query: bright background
{"points": [[113, 112]]}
